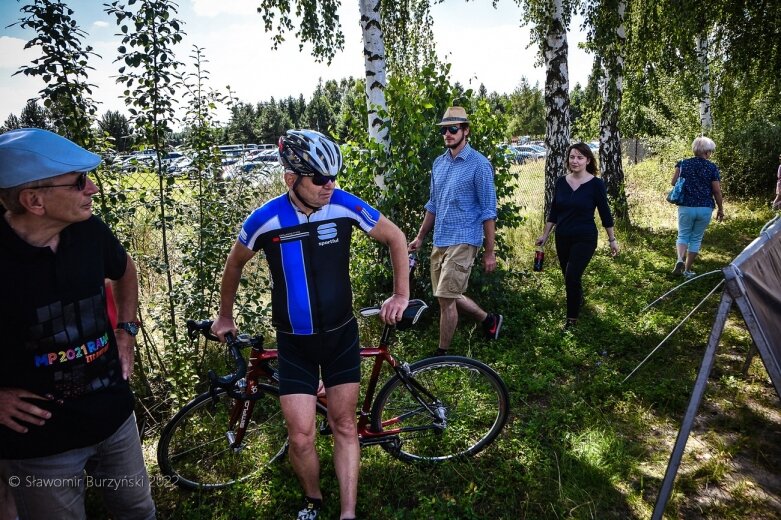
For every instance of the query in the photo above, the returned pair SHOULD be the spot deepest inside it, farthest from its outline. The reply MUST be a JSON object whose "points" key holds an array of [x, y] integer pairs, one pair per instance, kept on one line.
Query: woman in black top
{"points": [[575, 197]]}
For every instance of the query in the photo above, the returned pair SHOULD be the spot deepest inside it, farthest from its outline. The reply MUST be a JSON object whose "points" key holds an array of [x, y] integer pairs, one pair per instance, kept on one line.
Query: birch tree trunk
{"points": [[610, 137], [706, 117], [374, 62], [557, 117]]}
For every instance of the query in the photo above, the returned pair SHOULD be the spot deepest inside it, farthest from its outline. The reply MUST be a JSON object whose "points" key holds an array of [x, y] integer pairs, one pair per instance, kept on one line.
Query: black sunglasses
{"points": [[80, 184], [322, 180], [453, 129]]}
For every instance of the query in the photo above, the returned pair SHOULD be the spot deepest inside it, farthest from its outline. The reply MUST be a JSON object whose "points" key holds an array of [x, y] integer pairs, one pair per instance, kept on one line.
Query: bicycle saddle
{"points": [[409, 318]]}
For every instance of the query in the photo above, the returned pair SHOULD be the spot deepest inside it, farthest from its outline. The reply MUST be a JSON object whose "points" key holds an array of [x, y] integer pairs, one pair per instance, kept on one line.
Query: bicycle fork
{"points": [[437, 409], [235, 436]]}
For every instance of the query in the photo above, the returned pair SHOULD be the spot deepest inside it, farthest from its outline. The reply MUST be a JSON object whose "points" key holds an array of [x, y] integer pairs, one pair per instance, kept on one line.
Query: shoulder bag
{"points": [[676, 194]]}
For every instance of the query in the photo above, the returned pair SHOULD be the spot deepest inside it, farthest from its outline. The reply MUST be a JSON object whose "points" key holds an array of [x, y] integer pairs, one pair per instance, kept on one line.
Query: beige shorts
{"points": [[450, 268]]}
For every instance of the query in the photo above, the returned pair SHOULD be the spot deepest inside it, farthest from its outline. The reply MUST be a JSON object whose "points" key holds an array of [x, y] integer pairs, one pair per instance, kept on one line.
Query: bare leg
{"points": [[342, 401], [449, 308], [681, 249], [690, 260], [299, 412], [448, 320], [466, 305]]}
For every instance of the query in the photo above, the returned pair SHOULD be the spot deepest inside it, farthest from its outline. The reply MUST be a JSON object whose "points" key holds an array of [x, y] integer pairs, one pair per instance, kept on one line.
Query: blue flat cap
{"points": [[32, 154]]}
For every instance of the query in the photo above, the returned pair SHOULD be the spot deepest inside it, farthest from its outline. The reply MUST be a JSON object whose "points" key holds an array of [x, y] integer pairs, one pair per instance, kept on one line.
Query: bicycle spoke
{"points": [[469, 411], [194, 447]]}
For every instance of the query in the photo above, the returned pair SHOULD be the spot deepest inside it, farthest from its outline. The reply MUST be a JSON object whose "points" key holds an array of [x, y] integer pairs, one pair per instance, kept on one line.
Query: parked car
{"points": [[269, 155], [508, 151], [522, 156], [253, 155], [531, 151], [137, 162]]}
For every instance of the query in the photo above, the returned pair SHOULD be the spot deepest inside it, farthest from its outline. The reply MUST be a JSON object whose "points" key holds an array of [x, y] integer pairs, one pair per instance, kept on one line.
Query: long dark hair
{"points": [[583, 148]]}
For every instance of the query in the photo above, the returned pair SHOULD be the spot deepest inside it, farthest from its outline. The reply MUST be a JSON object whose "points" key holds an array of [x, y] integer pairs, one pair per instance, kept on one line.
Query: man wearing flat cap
{"points": [[66, 408], [462, 211]]}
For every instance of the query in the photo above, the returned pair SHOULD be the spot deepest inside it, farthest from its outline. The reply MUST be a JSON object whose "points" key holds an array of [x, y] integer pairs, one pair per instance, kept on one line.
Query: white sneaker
{"points": [[689, 274]]}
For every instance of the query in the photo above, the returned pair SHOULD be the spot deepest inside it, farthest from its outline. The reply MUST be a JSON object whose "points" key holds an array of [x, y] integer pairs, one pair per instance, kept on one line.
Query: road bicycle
{"points": [[432, 410]]}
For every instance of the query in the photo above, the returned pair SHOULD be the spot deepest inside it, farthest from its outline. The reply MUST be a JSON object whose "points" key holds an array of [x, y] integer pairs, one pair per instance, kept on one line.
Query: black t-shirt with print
{"points": [[55, 337]]}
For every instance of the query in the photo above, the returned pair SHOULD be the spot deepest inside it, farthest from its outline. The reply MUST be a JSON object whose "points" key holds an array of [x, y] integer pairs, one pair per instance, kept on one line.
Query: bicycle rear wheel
{"points": [[470, 404], [194, 449]]}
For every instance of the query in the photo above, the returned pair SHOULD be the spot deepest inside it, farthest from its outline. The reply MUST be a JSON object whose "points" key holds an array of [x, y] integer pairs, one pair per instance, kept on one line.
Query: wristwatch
{"points": [[131, 327]]}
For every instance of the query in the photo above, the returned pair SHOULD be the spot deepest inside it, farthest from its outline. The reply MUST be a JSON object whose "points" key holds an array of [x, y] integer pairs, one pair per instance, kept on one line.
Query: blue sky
{"points": [[483, 45]]}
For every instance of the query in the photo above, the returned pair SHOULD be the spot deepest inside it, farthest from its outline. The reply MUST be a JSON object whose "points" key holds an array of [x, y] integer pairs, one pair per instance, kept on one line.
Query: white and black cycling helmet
{"points": [[309, 153]]}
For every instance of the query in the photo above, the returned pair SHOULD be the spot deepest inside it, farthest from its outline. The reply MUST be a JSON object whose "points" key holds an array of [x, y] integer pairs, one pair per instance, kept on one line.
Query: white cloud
{"points": [[212, 8], [490, 48], [493, 49], [100, 23], [13, 54], [16, 90]]}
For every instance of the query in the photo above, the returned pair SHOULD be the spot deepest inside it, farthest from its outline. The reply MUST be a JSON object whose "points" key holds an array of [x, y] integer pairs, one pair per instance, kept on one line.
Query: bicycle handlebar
{"points": [[203, 327]]}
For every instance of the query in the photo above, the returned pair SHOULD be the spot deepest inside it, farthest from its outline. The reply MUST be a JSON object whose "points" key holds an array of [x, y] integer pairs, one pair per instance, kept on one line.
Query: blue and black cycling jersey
{"points": [[309, 259]]}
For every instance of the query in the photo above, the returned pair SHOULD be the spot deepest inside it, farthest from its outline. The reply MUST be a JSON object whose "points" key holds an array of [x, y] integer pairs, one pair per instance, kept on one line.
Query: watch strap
{"points": [[131, 327]]}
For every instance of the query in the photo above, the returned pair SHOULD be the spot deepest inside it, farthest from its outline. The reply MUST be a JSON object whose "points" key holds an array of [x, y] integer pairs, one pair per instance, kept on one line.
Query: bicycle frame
{"points": [[381, 355], [246, 390]]}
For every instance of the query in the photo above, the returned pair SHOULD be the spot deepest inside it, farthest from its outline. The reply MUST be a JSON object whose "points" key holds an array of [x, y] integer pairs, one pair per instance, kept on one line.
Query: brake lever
{"points": [[227, 381]]}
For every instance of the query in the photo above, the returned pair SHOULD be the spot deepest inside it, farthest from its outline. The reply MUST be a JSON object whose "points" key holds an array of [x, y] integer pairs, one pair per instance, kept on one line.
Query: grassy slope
{"points": [[580, 444]]}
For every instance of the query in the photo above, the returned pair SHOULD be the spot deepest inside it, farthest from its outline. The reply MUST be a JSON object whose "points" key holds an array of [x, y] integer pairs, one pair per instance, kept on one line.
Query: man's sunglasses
{"points": [[80, 184], [453, 129], [322, 180]]}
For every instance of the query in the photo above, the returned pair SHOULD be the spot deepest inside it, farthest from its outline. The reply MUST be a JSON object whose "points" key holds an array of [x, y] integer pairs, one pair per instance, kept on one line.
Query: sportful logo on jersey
{"points": [[327, 234]]}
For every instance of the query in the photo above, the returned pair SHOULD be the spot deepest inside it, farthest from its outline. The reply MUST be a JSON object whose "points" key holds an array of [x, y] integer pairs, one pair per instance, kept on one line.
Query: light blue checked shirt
{"points": [[462, 197]]}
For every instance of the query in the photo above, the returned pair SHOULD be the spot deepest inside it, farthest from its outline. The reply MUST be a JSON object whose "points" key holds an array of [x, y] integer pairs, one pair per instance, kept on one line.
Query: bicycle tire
{"points": [[194, 449], [474, 398]]}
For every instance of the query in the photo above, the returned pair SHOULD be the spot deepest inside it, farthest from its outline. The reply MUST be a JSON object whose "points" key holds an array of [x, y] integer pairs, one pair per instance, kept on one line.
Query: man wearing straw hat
{"points": [[462, 211], [66, 407]]}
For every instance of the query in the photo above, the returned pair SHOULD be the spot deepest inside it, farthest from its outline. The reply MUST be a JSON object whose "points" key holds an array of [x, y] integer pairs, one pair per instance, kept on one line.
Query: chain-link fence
{"points": [[179, 227]]}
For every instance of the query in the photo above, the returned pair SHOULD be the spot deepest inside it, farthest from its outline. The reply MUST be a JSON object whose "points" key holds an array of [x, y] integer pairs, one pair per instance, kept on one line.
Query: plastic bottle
{"points": [[539, 256]]}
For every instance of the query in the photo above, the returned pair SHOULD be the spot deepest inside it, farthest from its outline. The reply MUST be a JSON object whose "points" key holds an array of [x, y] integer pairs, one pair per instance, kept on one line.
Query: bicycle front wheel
{"points": [[467, 407], [195, 446]]}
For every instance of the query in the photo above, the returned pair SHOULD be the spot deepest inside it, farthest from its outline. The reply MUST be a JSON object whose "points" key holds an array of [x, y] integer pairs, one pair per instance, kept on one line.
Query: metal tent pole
{"points": [[694, 404]]}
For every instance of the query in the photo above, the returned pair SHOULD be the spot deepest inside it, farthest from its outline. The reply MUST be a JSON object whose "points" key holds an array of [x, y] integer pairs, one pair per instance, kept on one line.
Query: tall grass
{"points": [[580, 443]]}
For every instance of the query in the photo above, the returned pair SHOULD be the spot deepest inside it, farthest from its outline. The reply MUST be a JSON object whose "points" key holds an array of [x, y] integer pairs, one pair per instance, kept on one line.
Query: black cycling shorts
{"points": [[303, 358]]}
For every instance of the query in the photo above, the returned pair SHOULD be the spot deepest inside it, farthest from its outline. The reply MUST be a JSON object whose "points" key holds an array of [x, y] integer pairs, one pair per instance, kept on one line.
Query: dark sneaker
{"points": [[492, 325], [310, 512], [679, 266]]}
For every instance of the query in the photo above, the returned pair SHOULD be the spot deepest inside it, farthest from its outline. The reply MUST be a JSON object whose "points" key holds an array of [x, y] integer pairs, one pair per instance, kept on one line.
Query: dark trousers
{"points": [[574, 254]]}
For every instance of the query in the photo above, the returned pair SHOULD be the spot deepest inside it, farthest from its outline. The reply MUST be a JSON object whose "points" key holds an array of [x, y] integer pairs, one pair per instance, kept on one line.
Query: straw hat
{"points": [[454, 116]]}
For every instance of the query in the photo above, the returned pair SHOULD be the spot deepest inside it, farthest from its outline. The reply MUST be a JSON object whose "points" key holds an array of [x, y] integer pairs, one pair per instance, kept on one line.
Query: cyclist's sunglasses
{"points": [[322, 180], [80, 184], [453, 129]]}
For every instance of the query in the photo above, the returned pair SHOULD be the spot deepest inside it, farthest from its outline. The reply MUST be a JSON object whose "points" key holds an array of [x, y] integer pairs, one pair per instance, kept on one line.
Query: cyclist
{"points": [[305, 235]]}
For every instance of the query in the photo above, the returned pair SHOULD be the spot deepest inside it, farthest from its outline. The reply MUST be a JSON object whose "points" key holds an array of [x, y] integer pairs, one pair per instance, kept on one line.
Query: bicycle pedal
{"points": [[392, 442]]}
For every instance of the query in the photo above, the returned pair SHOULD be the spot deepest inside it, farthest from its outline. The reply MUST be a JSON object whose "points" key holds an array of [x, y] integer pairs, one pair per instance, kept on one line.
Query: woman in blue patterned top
{"points": [[701, 187]]}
